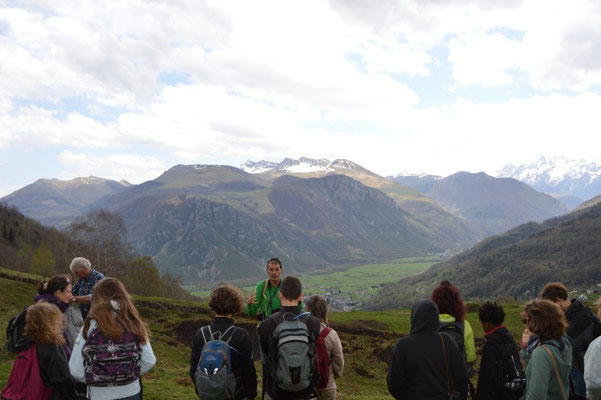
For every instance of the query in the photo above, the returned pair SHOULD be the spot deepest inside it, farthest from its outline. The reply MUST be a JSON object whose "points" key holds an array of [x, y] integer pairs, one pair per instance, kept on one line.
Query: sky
{"points": [[127, 89]]}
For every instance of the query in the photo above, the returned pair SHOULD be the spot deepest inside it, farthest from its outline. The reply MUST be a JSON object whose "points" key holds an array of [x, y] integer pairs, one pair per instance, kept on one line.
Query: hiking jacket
{"points": [[592, 370], [334, 347], [242, 365], [541, 379], [418, 370], [491, 362], [583, 328], [265, 331], [468, 335], [108, 392], [268, 303], [54, 371]]}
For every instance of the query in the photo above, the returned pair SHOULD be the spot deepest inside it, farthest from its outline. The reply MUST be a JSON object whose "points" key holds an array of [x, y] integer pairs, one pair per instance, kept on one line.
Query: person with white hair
{"points": [[87, 279]]}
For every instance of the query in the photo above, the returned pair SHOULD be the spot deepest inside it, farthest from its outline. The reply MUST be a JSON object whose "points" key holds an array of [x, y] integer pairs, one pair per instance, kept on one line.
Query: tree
{"points": [[100, 236], [42, 262], [143, 278]]}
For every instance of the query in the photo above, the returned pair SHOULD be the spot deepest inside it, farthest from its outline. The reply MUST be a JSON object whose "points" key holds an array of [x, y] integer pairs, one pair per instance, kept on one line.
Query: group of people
{"points": [[560, 345], [301, 355], [101, 349], [98, 350]]}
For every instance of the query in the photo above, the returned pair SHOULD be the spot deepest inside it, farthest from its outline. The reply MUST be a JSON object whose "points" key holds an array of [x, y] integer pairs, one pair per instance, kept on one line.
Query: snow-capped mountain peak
{"points": [[302, 165], [558, 175]]}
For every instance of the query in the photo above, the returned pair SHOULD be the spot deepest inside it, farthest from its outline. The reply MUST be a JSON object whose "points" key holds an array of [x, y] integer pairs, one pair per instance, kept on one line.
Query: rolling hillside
{"points": [[56, 202], [517, 263]]}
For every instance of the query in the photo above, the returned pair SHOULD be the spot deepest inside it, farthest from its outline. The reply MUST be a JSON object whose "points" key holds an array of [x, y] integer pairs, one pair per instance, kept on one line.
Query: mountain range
{"points": [[559, 175], [213, 222]]}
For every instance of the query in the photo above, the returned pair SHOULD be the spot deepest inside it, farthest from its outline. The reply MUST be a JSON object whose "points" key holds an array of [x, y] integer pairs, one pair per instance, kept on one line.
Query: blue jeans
{"points": [[577, 378]]}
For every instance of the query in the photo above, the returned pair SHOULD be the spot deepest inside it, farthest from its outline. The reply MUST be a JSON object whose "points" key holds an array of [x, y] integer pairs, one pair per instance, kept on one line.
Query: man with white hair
{"points": [[88, 278]]}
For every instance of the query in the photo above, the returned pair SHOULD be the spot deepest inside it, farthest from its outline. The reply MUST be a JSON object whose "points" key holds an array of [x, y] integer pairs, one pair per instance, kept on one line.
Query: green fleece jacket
{"points": [[541, 379], [265, 303], [468, 335]]}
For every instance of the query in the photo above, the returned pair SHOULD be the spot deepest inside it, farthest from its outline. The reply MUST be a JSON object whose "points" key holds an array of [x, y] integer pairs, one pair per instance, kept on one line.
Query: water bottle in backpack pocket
{"points": [[214, 378], [292, 358], [109, 362]]}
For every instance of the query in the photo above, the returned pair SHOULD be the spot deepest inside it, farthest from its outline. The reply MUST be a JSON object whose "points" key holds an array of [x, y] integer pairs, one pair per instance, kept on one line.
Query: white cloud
{"points": [[131, 167]]}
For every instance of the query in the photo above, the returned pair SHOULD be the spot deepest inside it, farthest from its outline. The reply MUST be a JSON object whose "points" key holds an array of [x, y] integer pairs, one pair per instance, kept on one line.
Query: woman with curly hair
{"points": [[44, 325], [452, 319], [112, 330], [549, 363], [226, 300]]}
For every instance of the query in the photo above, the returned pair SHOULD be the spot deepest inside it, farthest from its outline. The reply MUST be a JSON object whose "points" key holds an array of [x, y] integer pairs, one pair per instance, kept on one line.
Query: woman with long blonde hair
{"points": [[44, 325], [112, 330]]}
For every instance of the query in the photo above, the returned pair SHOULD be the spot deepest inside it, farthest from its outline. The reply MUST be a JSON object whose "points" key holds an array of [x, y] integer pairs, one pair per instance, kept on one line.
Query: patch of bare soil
{"points": [[383, 354], [364, 327], [362, 372], [183, 332]]}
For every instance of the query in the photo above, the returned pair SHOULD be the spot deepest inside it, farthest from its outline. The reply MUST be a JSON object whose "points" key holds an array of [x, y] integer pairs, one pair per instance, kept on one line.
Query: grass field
{"points": [[368, 338]]}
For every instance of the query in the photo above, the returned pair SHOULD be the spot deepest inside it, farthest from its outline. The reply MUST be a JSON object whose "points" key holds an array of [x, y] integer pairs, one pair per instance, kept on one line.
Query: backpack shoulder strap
{"points": [[563, 393], [229, 330], [202, 331], [325, 332]]}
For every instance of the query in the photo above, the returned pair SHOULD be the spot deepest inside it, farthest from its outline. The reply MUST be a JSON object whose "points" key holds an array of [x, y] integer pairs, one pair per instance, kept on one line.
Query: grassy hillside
{"points": [[367, 338], [517, 263]]}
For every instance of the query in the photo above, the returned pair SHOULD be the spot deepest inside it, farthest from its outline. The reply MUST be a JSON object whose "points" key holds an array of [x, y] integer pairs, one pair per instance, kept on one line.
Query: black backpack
{"points": [[16, 341], [456, 331], [511, 380]]}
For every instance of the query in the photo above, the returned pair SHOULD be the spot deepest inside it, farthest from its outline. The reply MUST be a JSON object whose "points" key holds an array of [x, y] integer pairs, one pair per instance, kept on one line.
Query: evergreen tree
{"points": [[143, 278]]}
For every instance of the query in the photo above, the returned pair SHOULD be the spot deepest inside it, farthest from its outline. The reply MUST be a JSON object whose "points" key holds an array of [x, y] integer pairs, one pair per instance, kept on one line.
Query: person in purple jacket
{"points": [[57, 291]]}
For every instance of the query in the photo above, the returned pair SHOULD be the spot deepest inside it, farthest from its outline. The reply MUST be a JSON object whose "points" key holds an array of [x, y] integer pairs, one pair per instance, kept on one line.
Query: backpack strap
{"points": [[446, 364], [231, 329], [202, 331], [304, 314], [563, 393], [325, 332]]}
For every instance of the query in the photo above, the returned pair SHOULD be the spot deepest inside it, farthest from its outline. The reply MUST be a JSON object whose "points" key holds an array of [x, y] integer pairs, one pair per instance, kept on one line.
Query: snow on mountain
{"points": [[302, 165], [558, 175]]}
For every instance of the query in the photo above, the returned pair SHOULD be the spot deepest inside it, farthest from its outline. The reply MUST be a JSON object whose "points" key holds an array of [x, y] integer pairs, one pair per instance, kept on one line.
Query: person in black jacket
{"points": [[583, 328], [290, 297], [427, 365], [500, 364], [226, 300]]}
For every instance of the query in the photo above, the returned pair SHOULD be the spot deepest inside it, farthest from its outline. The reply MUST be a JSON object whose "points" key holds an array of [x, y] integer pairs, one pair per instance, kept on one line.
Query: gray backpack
{"points": [[292, 358], [214, 378]]}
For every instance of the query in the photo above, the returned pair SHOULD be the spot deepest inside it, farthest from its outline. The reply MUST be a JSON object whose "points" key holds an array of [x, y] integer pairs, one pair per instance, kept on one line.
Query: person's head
{"points": [[274, 270], [58, 286], [545, 318], [291, 291], [81, 267], [424, 317], [491, 315], [598, 304], [557, 292], [318, 307], [114, 311], [449, 301], [226, 300], [44, 323]]}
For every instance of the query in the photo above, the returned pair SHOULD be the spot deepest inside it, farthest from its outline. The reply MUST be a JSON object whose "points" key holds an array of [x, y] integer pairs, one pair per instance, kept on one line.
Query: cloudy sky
{"points": [[126, 89]]}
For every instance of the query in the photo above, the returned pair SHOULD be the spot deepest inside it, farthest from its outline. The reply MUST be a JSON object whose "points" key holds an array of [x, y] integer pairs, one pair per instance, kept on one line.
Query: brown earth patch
{"points": [[184, 332], [184, 381], [362, 372], [383, 354], [365, 328]]}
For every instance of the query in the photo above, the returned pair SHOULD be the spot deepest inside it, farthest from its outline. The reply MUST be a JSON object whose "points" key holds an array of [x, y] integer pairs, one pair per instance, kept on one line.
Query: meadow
{"points": [[355, 284], [368, 338]]}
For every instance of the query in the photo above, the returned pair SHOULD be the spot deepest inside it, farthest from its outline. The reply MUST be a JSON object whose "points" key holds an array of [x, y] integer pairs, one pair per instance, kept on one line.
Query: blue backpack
{"points": [[214, 378]]}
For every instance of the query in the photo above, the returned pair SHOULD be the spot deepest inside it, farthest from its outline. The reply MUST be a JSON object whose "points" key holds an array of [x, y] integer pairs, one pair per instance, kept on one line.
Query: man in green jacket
{"points": [[265, 300]]}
